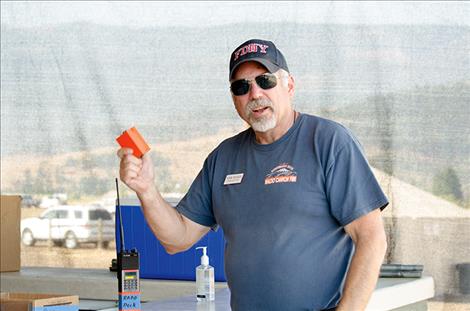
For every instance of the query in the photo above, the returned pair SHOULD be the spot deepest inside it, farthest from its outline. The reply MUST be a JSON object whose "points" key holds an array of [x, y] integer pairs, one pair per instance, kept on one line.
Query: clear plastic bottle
{"points": [[205, 287]]}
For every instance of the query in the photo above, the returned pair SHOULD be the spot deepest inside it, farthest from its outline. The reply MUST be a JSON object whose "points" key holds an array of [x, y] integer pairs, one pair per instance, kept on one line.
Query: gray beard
{"points": [[263, 124]]}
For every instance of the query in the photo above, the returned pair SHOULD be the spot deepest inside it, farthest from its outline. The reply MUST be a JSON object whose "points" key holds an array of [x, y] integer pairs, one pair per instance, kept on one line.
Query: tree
{"points": [[43, 180], [93, 185], [447, 185], [27, 182]]}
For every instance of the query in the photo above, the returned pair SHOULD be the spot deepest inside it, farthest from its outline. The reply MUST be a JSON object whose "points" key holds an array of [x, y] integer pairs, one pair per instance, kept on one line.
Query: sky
{"points": [[208, 13]]}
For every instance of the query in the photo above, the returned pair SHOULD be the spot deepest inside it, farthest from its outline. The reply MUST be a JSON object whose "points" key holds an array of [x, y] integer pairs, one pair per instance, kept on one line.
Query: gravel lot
{"points": [[87, 256]]}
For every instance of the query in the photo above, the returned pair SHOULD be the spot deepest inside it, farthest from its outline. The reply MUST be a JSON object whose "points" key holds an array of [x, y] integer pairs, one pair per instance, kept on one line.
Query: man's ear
{"points": [[291, 86]]}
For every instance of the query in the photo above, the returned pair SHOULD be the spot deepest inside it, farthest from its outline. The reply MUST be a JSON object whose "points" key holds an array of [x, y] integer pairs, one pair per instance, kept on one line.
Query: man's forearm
{"points": [[164, 220], [363, 273]]}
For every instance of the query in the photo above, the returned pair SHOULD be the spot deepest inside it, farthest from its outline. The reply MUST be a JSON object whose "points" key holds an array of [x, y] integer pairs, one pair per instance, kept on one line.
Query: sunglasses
{"points": [[265, 81]]}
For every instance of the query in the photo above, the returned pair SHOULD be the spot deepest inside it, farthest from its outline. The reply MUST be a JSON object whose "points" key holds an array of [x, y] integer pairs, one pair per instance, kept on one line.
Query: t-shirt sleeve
{"points": [[197, 203], [351, 186]]}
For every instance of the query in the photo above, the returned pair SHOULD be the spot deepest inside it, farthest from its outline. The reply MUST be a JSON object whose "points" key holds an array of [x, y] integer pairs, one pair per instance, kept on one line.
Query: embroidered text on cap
{"points": [[250, 48]]}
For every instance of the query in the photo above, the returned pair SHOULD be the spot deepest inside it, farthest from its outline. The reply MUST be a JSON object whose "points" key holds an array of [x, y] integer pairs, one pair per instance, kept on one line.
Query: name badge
{"points": [[233, 179]]}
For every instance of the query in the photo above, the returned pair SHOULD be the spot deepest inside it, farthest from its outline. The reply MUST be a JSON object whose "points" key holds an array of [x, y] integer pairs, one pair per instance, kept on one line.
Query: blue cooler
{"points": [[155, 262]]}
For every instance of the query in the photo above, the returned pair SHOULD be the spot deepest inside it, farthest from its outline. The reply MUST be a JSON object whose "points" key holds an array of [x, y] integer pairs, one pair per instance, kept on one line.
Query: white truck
{"points": [[69, 225]]}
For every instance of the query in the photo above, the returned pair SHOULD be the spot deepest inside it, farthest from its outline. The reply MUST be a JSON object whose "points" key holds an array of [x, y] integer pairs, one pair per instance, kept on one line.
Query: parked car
{"points": [[108, 204], [69, 226], [28, 201], [62, 197], [48, 202]]}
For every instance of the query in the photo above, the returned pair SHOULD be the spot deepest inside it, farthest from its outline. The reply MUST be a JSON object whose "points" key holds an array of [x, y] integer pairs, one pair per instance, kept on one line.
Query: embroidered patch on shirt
{"points": [[281, 173], [233, 179]]}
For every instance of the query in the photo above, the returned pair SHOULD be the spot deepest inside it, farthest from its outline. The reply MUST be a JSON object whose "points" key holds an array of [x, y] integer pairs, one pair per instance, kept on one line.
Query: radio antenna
{"points": [[121, 229]]}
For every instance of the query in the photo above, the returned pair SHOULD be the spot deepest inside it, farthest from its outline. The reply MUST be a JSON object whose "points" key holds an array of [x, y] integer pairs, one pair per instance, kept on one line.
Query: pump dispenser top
{"points": [[204, 257]]}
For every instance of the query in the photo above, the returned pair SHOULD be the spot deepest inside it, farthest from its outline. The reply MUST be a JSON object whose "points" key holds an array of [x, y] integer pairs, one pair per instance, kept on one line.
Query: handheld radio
{"points": [[127, 271]]}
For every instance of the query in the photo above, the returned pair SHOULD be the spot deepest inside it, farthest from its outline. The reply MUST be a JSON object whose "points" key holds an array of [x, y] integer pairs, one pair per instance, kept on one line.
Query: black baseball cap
{"points": [[261, 51]]}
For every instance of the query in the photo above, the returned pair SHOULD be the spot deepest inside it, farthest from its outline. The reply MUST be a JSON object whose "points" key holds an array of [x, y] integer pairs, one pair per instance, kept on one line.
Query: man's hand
{"points": [[176, 232], [136, 173], [370, 241]]}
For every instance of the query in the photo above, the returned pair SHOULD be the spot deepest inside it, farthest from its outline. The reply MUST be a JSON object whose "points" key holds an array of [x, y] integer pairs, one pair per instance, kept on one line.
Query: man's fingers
{"points": [[130, 160], [123, 152], [130, 167], [127, 178], [133, 171], [128, 174]]}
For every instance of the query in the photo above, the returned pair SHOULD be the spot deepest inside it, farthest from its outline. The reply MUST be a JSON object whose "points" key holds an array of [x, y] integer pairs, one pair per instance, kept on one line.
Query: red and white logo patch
{"points": [[281, 173], [250, 48]]}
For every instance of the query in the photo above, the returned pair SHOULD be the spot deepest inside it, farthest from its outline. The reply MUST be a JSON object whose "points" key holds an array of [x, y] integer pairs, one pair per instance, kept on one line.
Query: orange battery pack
{"points": [[132, 139]]}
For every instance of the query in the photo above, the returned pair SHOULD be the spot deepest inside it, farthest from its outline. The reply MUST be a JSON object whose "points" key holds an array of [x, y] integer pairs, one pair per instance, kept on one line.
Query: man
{"points": [[294, 194]]}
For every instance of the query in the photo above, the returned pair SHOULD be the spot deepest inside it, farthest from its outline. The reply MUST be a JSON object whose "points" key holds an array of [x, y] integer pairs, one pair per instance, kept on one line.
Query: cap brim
{"points": [[269, 66]]}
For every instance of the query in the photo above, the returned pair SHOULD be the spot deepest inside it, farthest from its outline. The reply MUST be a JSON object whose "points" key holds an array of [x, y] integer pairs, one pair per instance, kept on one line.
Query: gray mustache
{"points": [[258, 103]]}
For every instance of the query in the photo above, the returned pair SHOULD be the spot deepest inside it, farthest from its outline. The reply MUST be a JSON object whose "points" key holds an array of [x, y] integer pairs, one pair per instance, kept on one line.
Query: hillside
{"points": [[417, 133], [91, 174]]}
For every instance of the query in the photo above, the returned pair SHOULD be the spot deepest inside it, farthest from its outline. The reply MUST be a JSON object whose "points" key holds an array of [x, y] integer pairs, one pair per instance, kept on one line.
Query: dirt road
{"points": [[87, 256]]}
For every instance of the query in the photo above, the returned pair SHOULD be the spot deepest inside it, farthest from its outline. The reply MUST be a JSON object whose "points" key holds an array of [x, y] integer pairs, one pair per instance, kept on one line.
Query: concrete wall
{"points": [[437, 243]]}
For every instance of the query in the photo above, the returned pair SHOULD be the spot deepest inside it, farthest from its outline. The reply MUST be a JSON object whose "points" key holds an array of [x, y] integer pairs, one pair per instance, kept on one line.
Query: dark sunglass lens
{"points": [[266, 81], [240, 87]]}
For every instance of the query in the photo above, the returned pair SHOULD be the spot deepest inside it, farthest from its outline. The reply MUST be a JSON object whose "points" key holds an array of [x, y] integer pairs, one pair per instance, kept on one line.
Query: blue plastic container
{"points": [[155, 262]]}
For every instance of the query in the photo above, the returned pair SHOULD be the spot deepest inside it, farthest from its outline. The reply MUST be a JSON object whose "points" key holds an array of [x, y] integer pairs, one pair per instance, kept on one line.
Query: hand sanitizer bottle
{"points": [[205, 288]]}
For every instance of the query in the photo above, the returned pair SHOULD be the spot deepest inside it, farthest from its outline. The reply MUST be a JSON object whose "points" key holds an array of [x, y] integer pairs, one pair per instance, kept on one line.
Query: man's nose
{"points": [[255, 91]]}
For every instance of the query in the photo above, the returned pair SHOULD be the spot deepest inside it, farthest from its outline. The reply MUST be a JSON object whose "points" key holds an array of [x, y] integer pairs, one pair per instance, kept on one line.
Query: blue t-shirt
{"points": [[286, 248]]}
